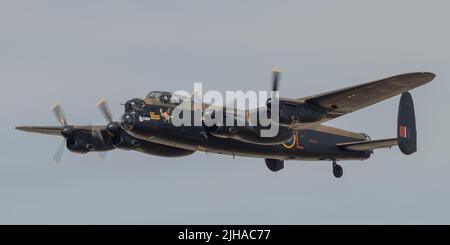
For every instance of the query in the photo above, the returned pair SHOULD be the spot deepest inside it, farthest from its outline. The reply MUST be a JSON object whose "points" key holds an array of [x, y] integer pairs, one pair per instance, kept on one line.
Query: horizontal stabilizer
{"points": [[368, 145]]}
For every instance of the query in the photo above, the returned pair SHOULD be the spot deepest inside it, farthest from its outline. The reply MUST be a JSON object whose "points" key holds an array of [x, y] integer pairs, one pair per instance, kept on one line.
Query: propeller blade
{"points": [[97, 135], [276, 79], [57, 110], [103, 106], [195, 97], [102, 155], [58, 154]]}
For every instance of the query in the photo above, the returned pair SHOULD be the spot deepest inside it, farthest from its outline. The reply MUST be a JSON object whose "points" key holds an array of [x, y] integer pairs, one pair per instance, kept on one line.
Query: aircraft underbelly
{"points": [[304, 145]]}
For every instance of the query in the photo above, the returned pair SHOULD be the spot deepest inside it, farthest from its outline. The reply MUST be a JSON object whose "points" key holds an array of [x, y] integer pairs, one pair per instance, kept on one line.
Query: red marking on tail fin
{"points": [[402, 130]]}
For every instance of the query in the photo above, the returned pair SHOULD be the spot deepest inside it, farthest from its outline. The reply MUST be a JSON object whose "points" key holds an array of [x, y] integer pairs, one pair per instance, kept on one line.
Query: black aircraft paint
{"points": [[406, 126], [147, 127], [308, 145]]}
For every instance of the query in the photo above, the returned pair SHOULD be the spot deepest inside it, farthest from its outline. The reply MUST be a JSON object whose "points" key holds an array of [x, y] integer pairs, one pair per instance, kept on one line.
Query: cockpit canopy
{"points": [[161, 97]]}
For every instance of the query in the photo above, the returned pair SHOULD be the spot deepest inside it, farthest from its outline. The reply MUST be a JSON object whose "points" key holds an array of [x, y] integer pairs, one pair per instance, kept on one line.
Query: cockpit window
{"points": [[164, 98], [154, 95], [176, 100]]}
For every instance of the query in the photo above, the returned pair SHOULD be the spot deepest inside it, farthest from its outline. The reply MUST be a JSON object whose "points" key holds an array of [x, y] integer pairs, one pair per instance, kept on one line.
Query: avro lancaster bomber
{"points": [[147, 126]]}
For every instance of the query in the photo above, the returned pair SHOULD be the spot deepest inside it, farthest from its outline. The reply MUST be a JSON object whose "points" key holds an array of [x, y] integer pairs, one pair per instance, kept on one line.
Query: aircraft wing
{"points": [[56, 130], [340, 102], [368, 145]]}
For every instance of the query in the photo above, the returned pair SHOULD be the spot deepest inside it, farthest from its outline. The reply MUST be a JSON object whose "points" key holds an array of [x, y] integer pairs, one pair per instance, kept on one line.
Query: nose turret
{"points": [[128, 121], [134, 104]]}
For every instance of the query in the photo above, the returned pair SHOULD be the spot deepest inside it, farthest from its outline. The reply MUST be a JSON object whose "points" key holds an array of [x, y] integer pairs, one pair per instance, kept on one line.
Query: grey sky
{"points": [[76, 52]]}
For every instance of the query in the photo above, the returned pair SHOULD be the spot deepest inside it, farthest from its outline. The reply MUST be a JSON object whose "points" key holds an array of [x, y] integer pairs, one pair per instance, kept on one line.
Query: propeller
{"points": [[68, 131], [113, 127], [276, 79], [58, 154], [97, 134], [106, 112], [102, 155], [65, 130], [103, 106], [276, 73], [57, 110], [195, 97]]}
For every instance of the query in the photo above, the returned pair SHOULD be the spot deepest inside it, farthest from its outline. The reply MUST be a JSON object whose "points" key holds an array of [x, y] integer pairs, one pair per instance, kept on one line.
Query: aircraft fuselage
{"points": [[153, 125]]}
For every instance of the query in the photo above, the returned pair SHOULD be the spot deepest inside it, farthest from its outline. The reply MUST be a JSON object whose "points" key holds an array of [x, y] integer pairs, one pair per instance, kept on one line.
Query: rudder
{"points": [[406, 125]]}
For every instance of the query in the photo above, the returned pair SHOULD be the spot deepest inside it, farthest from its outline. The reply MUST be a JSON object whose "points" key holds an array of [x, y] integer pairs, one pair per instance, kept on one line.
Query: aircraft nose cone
{"points": [[128, 121]]}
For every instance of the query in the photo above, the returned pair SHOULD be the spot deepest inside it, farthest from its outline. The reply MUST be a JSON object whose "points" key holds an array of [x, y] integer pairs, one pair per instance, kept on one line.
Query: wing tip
{"points": [[50, 130], [429, 75], [21, 128], [25, 128], [425, 76]]}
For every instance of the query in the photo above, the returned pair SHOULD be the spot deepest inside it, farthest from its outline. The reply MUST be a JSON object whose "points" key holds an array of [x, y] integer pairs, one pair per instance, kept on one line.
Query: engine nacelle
{"points": [[79, 145], [124, 141], [83, 142], [292, 112], [250, 134]]}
